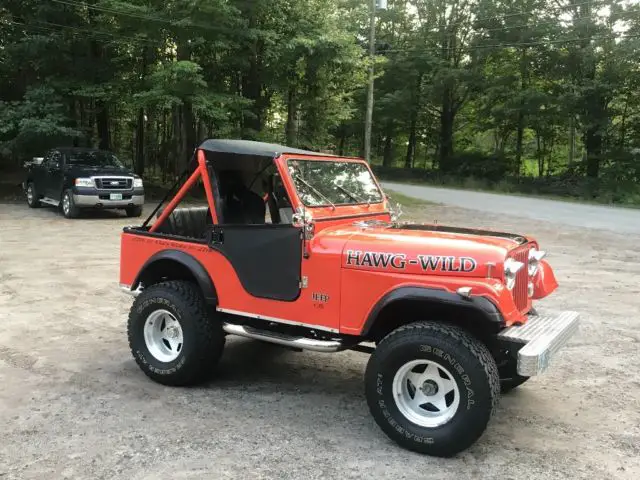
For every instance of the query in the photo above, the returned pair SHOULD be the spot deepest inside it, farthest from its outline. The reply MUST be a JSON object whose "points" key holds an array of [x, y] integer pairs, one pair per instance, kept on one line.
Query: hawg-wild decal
{"points": [[399, 261]]}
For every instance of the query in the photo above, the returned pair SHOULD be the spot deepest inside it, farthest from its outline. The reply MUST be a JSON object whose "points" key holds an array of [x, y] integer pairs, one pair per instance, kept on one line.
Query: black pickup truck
{"points": [[76, 178]]}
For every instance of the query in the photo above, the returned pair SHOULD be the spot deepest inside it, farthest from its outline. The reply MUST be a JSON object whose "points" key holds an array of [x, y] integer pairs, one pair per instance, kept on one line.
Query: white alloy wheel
{"points": [[426, 393], [163, 336], [66, 204]]}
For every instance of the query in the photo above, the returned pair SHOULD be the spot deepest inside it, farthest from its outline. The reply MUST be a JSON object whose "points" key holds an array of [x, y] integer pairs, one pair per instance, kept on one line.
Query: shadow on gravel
{"points": [[251, 365], [271, 367]]}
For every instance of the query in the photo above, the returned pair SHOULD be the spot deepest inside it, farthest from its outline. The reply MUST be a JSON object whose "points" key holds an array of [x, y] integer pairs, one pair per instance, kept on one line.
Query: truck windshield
{"points": [[93, 158], [326, 183]]}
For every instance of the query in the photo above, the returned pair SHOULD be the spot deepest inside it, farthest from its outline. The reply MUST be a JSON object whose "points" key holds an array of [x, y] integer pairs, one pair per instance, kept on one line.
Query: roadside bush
{"points": [[478, 165]]}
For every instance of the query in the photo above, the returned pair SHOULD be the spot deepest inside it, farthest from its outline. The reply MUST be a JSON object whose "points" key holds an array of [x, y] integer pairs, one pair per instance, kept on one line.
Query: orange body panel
{"points": [[344, 283]]}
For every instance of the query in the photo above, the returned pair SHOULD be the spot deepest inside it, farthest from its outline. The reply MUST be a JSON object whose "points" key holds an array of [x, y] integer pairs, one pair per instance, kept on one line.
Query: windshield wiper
{"points": [[353, 196], [298, 177]]}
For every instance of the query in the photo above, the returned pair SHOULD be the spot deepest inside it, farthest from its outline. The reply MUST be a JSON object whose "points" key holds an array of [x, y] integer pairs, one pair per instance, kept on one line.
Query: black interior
{"points": [[267, 257], [191, 222]]}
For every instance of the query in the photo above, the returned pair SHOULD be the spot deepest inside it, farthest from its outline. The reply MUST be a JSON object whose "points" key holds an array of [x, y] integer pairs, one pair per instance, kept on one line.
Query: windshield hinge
{"points": [[304, 283]]}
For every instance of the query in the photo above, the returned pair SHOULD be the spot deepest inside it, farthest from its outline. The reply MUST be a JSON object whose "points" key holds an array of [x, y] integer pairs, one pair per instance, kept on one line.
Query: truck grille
{"points": [[114, 183], [520, 291]]}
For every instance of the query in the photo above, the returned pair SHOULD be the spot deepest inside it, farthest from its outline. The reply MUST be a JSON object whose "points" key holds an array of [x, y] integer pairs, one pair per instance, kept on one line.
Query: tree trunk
{"points": [[593, 145], [140, 143], [623, 123], [292, 114], [176, 140], [342, 138], [188, 128], [572, 140], [446, 129], [520, 131], [102, 122], [251, 80], [411, 147], [101, 108], [540, 155], [387, 159]]}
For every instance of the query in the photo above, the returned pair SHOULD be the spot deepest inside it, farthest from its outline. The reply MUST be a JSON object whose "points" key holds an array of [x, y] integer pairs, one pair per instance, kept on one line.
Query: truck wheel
{"points": [[134, 211], [69, 209], [432, 388], [172, 337], [32, 196]]}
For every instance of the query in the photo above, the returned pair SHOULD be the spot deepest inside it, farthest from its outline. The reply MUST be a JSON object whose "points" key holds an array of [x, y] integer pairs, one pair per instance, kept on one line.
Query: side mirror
{"points": [[303, 219]]}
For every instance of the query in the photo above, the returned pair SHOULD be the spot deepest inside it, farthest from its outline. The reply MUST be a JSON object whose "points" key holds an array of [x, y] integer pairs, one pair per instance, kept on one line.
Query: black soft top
{"points": [[252, 148]]}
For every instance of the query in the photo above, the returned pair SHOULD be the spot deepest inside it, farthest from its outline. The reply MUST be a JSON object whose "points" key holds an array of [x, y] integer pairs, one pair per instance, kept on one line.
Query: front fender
{"points": [[545, 282], [483, 306]]}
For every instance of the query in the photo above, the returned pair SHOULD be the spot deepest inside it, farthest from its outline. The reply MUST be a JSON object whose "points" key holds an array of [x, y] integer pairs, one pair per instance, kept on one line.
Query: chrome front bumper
{"points": [[540, 339], [96, 201]]}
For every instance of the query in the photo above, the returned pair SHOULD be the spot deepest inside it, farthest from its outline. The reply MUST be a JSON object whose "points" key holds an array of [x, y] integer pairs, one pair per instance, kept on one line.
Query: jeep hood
{"points": [[426, 249]]}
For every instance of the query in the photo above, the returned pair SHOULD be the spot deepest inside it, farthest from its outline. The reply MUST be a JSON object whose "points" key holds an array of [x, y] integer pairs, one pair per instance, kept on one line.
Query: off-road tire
{"points": [[72, 211], [471, 366], [134, 211], [35, 201], [204, 338]]}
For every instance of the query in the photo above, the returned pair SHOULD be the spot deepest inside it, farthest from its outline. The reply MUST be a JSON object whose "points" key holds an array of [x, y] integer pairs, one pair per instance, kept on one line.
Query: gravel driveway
{"points": [[74, 405]]}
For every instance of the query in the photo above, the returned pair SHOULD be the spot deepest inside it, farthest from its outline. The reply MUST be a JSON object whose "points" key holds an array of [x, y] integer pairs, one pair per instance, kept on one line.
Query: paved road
{"points": [[619, 220]]}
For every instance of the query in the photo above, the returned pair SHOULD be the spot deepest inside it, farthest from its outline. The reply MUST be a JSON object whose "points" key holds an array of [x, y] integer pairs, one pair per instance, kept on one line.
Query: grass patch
{"points": [[405, 200]]}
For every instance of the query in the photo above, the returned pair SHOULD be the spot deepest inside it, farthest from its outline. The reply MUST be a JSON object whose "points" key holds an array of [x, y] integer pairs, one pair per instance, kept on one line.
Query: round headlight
{"points": [[511, 268], [534, 260]]}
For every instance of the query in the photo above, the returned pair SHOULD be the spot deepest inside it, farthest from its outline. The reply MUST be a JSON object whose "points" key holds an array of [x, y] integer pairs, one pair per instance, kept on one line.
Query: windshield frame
{"points": [[334, 205]]}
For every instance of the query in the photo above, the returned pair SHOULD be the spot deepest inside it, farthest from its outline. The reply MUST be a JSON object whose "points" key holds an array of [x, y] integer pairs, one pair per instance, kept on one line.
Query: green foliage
{"points": [[38, 119], [528, 94]]}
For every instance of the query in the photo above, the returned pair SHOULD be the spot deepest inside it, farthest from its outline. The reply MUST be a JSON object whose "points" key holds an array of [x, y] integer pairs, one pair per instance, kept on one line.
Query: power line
{"points": [[47, 26], [551, 22], [526, 12], [140, 16], [511, 45]]}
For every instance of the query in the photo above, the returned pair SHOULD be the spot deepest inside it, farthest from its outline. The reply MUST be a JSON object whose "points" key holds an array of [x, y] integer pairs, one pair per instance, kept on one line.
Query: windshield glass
{"points": [[325, 183], [93, 158]]}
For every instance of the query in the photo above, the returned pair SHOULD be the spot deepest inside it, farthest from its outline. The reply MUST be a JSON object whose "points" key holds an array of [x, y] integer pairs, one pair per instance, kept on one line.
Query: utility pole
{"points": [[375, 4]]}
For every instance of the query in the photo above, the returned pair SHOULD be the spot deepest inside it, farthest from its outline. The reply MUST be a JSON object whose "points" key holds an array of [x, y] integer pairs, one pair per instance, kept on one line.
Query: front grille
{"points": [[114, 183], [520, 291]]}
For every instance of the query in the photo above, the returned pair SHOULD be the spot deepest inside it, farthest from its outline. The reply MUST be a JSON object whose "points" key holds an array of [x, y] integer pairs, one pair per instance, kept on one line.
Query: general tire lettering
{"points": [[469, 362], [203, 336]]}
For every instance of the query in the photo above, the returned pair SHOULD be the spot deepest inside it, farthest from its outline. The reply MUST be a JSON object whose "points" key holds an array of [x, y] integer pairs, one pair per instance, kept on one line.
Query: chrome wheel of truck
{"points": [[32, 196], [432, 387], [69, 209]]}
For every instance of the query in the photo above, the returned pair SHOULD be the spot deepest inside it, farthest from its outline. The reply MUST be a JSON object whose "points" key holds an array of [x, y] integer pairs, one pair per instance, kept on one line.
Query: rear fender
{"points": [[176, 265]]}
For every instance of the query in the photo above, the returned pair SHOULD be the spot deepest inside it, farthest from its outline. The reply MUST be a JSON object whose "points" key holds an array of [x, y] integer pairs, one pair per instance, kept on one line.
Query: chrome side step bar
{"points": [[326, 346], [50, 201]]}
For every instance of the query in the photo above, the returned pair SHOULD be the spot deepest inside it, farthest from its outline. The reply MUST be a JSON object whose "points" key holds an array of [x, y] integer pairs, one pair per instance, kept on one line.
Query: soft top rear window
{"points": [[333, 182]]}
